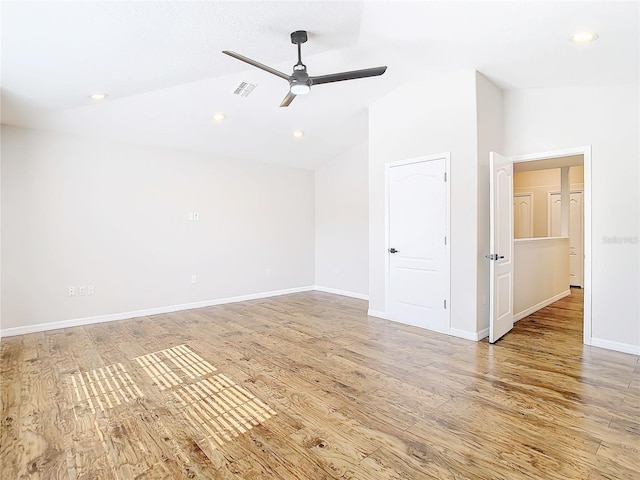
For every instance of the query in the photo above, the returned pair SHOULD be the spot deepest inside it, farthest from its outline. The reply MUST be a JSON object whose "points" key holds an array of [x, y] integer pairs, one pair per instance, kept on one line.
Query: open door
{"points": [[501, 245]]}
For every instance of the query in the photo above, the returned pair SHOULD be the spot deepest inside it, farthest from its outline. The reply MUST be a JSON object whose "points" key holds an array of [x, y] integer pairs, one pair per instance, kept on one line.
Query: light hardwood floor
{"points": [[306, 386]]}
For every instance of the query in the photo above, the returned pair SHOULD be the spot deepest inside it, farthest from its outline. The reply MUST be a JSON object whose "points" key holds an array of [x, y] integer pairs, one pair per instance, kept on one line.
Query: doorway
{"points": [[568, 158]]}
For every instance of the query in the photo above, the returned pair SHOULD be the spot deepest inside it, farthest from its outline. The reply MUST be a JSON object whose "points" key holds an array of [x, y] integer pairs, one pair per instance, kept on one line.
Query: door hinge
{"points": [[445, 240], [445, 303], [445, 176]]}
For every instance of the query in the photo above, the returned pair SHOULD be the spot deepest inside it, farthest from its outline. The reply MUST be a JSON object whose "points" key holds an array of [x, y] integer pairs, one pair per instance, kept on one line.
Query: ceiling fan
{"points": [[299, 81]]}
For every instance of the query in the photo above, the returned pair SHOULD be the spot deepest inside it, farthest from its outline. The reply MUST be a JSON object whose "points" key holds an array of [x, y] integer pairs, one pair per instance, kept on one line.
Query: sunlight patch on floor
{"points": [[104, 388]]}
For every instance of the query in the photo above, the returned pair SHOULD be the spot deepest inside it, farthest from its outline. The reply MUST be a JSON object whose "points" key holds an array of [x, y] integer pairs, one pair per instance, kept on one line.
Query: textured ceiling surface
{"points": [[162, 66]]}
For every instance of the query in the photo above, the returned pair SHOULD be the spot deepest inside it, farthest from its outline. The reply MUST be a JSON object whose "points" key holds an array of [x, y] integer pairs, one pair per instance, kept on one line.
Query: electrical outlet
{"points": [[196, 216], [91, 290], [194, 279], [82, 290], [72, 291]]}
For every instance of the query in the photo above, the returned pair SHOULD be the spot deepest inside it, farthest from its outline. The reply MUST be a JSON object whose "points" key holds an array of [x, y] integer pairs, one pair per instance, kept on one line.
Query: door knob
{"points": [[393, 250]]}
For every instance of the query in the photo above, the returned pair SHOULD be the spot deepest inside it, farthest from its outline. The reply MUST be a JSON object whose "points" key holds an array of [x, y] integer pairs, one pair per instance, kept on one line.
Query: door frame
{"points": [[585, 151], [426, 158]]}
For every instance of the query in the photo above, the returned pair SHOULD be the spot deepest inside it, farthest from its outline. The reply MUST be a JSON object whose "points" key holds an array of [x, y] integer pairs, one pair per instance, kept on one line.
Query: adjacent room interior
{"points": [[414, 256], [548, 248]]}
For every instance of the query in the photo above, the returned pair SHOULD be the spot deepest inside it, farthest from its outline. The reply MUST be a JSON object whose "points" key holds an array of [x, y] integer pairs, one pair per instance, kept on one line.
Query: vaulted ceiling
{"points": [[161, 64]]}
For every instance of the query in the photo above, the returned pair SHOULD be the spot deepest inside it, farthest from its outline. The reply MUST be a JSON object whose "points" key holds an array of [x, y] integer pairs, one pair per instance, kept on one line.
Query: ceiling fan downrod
{"points": [[298, 38]]}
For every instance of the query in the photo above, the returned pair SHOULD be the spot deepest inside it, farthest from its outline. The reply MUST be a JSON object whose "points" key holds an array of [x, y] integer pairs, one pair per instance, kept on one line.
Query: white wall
{"points": [[342, 223], [423, 117], [540, 273], [490, 138], [79, 212], [539, 120]]}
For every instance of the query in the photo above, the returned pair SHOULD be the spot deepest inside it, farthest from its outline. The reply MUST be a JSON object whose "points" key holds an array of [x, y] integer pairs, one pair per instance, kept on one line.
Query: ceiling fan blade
{"points": [[256, 64], [352, 75], [287, 100]]}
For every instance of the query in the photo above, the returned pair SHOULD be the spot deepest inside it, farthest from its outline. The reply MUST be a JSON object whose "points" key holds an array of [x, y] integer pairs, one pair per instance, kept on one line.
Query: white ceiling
{"points": [[162, 66]]}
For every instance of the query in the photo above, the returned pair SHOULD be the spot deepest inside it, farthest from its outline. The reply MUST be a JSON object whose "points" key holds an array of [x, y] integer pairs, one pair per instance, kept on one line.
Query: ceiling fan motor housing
{"points": [[299, 36], [299, 82]]}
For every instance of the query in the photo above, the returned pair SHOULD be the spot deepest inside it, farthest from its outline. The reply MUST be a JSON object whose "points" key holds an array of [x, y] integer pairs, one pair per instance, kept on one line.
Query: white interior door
{"points": [[576, 240], [522, 215], [501, 245], [418, 275], [576, 233], [555, 217]]}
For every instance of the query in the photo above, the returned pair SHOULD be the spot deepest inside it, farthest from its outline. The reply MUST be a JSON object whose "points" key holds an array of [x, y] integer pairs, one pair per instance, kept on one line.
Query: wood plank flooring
{"points": [[306, 386]]}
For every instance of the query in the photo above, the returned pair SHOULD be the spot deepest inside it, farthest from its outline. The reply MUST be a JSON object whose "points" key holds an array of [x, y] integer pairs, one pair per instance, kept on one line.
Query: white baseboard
{"points": [[344, 293], [618, 347], [484, 333], [378, 314], [475, 336], [467, 335], [454, 332], [544, 303], [42, 327]]}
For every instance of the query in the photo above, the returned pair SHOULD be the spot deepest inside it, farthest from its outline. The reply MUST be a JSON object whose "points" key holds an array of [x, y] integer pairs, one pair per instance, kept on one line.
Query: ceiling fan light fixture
{"points": [[300, 88]]}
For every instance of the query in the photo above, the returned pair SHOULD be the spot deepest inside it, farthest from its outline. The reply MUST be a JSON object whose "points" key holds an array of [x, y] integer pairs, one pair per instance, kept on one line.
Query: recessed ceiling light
{"points": [[298, 133], [98, 96], [584, 37], [219, 117]]}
